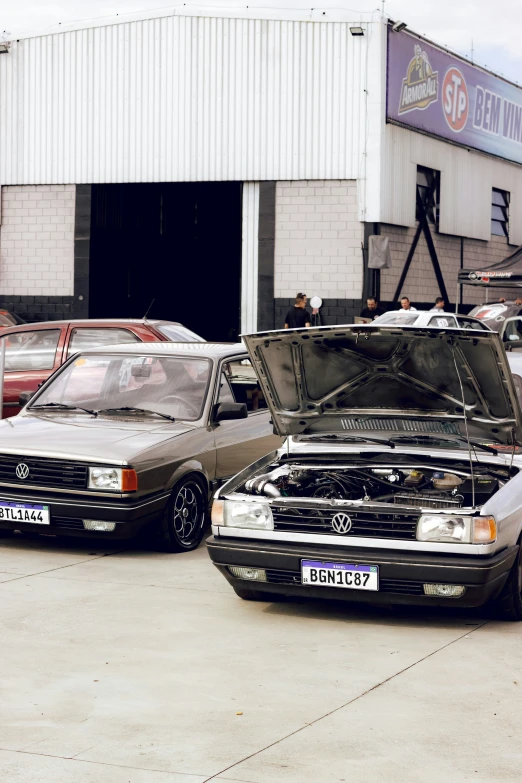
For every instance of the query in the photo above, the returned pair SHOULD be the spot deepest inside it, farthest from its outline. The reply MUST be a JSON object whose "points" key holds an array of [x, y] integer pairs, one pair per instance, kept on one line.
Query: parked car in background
{"points": [[35, 351], [9, 319], [502, 317], [430, 318], [400, 481], [133, 436]]}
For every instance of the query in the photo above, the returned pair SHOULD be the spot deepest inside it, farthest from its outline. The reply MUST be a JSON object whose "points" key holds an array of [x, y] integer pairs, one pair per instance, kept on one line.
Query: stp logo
{"points": [[455, 99]]}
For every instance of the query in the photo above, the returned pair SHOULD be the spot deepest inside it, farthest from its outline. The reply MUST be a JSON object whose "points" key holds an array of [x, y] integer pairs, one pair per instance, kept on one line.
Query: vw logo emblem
{"points": [[341, 523], [22, 471]]}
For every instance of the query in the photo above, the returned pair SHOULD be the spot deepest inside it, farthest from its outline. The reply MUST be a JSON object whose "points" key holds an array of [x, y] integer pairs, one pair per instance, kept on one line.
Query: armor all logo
{"points": [[420, 87]]}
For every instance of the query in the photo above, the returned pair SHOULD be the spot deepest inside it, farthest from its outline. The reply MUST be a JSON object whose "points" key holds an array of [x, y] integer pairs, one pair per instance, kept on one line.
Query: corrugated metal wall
{"points": [[184, 99], [467, 178]]}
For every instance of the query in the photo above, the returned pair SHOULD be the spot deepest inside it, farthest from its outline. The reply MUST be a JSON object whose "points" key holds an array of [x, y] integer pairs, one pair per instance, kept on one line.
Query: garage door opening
{"points": [[178, 244]]}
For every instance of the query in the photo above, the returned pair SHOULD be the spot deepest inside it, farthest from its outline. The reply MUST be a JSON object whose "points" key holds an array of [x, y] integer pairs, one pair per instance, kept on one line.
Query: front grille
{"points": [[364, 523], [43, 472], [398, 586], [426, 501]]}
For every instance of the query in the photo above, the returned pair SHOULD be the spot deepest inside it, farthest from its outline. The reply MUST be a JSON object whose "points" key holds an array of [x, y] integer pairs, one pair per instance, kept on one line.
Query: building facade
{"points": [[207, 168]]}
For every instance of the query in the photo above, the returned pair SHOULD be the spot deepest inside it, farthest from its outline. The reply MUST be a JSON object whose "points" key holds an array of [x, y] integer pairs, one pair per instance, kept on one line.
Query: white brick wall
{"points": [[318, 239], [37, 240]]}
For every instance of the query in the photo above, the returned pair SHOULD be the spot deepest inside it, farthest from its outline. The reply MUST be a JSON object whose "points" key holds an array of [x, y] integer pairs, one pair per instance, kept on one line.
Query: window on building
{"points": [[500, 212], [428, 188]]}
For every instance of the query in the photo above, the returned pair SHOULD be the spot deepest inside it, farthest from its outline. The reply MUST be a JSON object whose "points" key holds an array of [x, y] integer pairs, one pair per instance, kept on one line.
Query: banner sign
{"points": [[442, 95]]}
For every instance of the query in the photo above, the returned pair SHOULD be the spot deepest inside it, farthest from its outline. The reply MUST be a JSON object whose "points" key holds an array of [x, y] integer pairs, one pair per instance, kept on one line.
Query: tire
{"points": [[508, 605], [256, 595], [182, 526]]}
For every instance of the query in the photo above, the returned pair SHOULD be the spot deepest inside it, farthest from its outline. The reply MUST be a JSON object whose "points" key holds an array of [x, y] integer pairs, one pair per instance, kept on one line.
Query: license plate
{"points": [[24, 512], [345, 575]]}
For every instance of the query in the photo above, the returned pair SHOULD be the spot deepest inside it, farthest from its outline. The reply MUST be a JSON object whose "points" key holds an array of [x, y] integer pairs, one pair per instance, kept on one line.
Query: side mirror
{"points": [[24, 398], [224, 411]]}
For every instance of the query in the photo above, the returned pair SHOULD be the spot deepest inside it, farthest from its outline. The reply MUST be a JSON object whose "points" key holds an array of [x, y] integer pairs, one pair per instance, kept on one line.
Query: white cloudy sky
{"points": [[495, 26]]}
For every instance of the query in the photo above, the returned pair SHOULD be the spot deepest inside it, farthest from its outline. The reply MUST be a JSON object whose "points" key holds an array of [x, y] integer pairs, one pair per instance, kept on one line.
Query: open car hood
{"points": [[393, 378]]}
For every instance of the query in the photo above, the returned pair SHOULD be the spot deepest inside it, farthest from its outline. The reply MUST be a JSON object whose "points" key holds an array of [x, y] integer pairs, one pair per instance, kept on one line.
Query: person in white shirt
{"points": [[406, 304], [439, 305]]}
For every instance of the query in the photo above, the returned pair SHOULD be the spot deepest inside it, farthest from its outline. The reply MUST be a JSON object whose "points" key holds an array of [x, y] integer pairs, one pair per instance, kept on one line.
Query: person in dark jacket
{"points": [[372, 309], [298, 316]]}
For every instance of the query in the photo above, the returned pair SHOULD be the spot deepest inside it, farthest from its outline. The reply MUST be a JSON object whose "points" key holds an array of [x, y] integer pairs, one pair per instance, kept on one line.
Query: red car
{"points": [[35, 351]]}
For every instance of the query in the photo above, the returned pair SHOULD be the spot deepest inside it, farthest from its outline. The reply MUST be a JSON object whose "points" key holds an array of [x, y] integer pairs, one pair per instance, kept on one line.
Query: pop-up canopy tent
{"points": [[505, 274]]}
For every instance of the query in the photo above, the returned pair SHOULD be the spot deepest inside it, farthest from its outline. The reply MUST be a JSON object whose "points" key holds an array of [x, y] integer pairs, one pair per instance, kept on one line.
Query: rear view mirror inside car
{"points": [[141, 370]]}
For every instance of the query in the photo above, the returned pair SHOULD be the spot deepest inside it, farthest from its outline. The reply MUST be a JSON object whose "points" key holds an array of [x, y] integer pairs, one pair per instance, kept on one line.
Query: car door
{"points": [[80, 338], [31, 356], [241, 442], [512, 333]]}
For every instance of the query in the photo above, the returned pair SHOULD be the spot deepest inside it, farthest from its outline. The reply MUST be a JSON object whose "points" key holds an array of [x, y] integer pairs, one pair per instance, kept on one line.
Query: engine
{"points": [[409, 486]]}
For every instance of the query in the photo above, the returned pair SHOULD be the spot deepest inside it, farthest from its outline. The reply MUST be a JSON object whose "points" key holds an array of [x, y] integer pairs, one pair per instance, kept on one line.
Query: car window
{"points": [[178, 334], [400, 317], [91, 337], [244, 384], [31, 350], [224, 391], [173, 386], [442, 321], [469, 323]]}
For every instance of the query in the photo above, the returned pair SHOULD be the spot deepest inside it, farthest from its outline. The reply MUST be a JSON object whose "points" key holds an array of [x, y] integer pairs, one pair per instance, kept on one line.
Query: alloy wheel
{"points": [[188, 512]]}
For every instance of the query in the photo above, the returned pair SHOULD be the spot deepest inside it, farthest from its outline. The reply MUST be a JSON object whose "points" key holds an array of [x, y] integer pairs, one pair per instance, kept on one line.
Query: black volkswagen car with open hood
{"points": [[400, 478], [130, 437]]}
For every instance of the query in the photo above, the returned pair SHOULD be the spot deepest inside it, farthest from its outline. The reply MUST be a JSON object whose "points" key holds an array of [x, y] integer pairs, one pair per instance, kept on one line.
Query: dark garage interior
{"points": [[177, 245]]}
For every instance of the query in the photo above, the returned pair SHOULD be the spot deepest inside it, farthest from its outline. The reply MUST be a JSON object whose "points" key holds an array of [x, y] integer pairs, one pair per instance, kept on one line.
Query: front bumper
{"points": [[401, 574], [67, 513]]}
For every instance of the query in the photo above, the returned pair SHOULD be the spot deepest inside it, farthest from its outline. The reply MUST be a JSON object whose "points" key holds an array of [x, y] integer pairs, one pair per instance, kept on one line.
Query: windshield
{"points": [[179, 334], [173, 386], [397, 317]]}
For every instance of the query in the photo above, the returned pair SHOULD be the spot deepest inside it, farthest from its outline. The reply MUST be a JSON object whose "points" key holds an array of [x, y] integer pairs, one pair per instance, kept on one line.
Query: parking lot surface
{"points": [[138, 667]]}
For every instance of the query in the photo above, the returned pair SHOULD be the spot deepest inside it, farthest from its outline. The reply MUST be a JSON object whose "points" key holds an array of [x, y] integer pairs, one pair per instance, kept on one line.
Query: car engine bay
{"points": [[445, 485]]}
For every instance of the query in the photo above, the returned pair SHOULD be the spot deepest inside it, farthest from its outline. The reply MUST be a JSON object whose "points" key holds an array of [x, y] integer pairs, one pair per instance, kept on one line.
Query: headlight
{"points": [[456, 530], [113, 479], [256, 516]]}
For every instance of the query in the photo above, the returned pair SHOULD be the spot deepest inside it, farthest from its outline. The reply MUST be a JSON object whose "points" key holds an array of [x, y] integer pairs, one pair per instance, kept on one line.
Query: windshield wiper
{"points": [[352, 439], [132, 409], [62, 407], [433, 438]]}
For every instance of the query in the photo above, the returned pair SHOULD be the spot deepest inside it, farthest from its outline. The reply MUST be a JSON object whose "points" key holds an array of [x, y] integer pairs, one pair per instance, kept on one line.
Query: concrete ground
{"points": [[137, 667]]}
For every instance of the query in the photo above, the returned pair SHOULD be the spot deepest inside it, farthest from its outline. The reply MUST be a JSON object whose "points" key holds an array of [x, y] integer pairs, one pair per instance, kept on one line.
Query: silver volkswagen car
{"points": [[400, 480]]}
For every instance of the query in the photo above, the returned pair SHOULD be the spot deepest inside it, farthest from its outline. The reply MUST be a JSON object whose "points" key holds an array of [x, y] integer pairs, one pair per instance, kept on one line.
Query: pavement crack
{"points": [[101, 763], [375, 687], [58, 568]]}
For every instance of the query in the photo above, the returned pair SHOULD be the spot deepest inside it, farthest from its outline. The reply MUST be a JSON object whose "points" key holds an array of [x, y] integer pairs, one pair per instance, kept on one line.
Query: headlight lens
{"points": [[456, 530], [256, 516], [105, 478]]}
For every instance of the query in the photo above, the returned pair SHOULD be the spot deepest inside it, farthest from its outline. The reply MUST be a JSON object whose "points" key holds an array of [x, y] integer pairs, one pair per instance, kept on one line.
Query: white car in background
{"points": [[430, 318]]}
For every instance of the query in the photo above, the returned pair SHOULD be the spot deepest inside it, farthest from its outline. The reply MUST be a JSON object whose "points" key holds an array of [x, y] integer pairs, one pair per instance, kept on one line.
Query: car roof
{"points": [[206, 350], [96, 322]]}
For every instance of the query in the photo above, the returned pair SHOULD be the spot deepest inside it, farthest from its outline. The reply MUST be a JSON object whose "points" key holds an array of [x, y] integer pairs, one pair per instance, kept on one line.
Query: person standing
{"points": [[298, 316], [406, 304], [439, 305], [372, 309]]}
